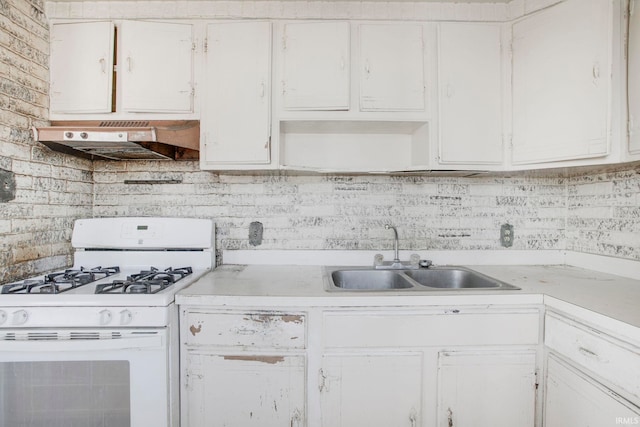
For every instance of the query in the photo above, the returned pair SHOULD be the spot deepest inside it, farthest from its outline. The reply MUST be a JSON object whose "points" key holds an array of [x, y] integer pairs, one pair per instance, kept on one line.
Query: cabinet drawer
{"points": [[605, 356], [239, 329], [369, 329]]}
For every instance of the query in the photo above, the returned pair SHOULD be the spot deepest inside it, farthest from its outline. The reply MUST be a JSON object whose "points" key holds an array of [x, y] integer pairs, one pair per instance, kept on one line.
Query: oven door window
{"points": [[85, 379], [65, 393]]}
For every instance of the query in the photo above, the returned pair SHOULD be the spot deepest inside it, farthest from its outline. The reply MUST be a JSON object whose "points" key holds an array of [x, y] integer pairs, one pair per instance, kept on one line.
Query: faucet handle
{"points": [[414, 259], [378, 259]]}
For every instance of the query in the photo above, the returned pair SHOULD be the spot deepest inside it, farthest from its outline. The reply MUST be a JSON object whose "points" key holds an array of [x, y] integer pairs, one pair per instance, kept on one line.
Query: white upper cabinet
{"points": [[315, 62], [633, 73], [156, 66], [153, 65], [81, 67], [391, 67], [237, 95], [561, 82], [470, 94]]}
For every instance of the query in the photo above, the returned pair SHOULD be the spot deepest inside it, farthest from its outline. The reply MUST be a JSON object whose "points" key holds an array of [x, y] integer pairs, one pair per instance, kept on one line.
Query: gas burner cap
{"points": [[50, 288], [137, 289]]}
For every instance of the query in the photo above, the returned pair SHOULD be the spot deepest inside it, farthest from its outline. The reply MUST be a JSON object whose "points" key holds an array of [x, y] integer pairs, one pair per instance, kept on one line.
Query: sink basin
{"points": [[454, 278], [372, 280], [431, 279]]}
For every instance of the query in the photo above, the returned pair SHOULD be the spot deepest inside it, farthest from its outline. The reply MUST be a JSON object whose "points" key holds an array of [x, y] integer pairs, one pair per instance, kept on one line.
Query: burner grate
{"points": [[61, 281], [145, 282]]}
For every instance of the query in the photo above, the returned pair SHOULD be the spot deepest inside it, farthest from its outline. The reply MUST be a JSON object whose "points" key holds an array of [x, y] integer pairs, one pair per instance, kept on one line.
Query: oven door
{"points": [[106, 378]]}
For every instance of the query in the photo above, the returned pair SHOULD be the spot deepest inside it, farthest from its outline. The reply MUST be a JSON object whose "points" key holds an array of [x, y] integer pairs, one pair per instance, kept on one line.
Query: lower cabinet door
{"points": [[573, 399], [486, 389], [372, 390], [245, 390]]}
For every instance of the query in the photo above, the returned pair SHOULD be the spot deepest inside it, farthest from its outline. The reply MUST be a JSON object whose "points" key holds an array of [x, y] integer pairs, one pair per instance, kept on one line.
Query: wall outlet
{"points": [[255, 233], [506, 235]]}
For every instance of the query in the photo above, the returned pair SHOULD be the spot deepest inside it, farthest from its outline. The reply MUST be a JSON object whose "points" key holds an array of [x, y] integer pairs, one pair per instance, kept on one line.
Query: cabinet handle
{"points": [[129, 62], [103, 65], [449, 417], [413, 417], [322, 378], [596, 73], [450, 91], [296, 419], [367, 68], [587, 352], [261, 90]]}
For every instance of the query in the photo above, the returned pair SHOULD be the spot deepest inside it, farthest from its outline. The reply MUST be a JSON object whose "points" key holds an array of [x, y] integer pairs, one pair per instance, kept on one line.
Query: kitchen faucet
{"points": [[396, 264], [396, 258]]}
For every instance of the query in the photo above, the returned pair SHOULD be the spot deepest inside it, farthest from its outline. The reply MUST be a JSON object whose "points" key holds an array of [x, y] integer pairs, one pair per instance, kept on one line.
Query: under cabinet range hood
{"points": [[124, 139]]}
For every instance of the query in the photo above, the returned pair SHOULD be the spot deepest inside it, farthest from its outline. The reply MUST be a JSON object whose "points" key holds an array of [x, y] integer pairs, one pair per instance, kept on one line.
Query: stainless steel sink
{"points": [[455, 278], [431, 279], [372, 280]]}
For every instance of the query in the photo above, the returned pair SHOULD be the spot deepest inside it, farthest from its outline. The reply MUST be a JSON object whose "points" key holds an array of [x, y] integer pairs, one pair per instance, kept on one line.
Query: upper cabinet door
{"points": [[391, 67], [561, 82], [633, 76], [81, 67], [316, 66], [470, 97], [237, 99], [156, 62]]}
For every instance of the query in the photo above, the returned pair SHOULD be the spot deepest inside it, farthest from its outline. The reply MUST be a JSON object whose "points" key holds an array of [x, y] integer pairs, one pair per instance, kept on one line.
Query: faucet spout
{"points": [[396, 250]]}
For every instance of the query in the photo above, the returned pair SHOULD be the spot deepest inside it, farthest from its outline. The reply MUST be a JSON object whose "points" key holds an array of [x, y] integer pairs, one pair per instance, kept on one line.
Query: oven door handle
{"points": [[83, 345]]}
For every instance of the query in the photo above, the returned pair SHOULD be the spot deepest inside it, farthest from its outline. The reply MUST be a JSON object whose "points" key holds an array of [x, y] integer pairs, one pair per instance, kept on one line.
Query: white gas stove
{"points": [[111, 315]]}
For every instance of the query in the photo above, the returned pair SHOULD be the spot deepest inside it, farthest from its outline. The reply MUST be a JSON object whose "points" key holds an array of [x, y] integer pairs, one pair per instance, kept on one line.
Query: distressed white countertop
{"points": [[612, 302]]}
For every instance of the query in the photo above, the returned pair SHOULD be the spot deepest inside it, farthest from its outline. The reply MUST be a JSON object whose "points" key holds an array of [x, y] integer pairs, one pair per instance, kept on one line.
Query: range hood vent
{"points": [[124, 139]]}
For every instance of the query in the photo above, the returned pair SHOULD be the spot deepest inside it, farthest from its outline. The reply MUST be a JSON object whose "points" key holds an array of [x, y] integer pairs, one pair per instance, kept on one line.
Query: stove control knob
{"points": [[20, 317], [105, 317], [126, 316], [3, 317]]}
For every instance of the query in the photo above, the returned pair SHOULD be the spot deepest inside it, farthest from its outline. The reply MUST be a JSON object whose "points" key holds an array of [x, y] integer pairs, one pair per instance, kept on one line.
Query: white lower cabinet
{"points": [[243, 368], [352, 367], [244, 390], [466, 366], [592, 376], [372, 389], [573, 399], [486, 388]]}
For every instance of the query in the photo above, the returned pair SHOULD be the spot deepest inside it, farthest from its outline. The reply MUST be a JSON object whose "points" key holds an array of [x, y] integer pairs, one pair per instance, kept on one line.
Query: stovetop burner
{"points": [[61, 281], [145, 282]]}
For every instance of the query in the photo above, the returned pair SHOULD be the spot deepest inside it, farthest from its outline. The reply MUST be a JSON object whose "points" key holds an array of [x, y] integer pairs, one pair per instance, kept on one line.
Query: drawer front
{"points": [[605, 356], [419, 330], [246, 330]]}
